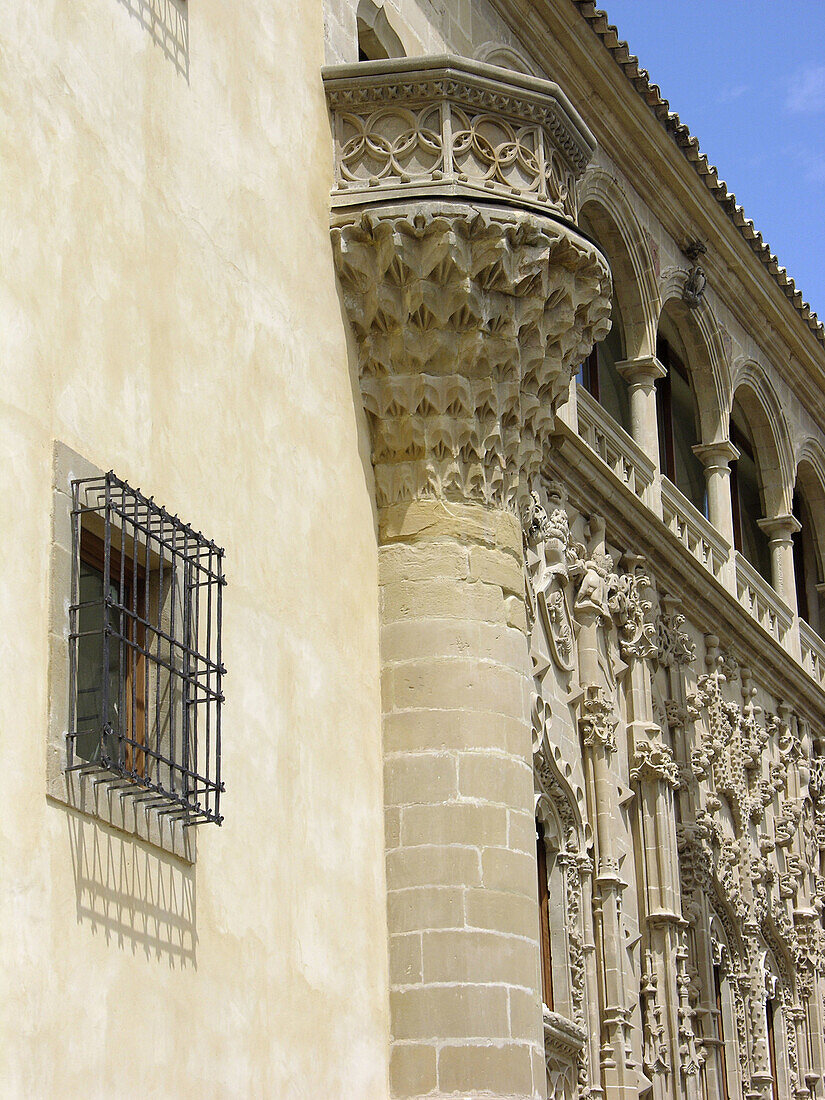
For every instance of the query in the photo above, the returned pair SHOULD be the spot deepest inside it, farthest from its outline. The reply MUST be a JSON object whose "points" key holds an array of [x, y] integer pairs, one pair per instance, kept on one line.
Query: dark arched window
{"points": [[806, 564], [598, 373], [720, 1031], [746, 497], [678, 419], [770, 1022]]}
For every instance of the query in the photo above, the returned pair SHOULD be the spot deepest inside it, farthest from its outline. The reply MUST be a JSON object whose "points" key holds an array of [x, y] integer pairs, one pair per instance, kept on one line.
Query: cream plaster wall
{"points": [[168, 309]]}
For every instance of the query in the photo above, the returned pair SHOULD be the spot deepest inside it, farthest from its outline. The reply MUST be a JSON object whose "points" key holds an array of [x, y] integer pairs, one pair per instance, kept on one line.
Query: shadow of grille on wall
{"points": [[167, 22], [145, 661]]}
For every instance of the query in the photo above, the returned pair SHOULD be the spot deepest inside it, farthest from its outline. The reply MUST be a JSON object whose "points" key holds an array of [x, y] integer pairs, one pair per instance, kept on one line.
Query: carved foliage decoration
{"points": [[674, 647], [468, 323], [754, 773], [551, 559], [656, 1053]]}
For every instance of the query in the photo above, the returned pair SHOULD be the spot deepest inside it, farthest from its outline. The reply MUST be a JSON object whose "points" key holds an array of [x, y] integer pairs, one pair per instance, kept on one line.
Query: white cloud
{"points": [[806, 92], [727, 95]]}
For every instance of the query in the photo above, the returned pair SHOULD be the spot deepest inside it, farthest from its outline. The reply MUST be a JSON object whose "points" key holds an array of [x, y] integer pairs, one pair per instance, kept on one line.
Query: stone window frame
{"points": [[550, 834], [725, 1024], [78, 790]]}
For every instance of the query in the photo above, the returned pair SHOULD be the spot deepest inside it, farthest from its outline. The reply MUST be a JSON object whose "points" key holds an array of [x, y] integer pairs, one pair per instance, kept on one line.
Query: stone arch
{"points": [[377, 38], [619, 234], [506, 57], [754, 392], [698, 331], [558, 801]]}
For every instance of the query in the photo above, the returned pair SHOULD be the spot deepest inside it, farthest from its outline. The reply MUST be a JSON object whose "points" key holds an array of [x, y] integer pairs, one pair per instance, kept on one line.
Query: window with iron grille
{"points": [[145, 662]]}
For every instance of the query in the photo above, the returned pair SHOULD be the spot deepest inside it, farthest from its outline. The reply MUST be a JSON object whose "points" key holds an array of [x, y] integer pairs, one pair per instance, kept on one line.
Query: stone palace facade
{"points": [[501, 662]]}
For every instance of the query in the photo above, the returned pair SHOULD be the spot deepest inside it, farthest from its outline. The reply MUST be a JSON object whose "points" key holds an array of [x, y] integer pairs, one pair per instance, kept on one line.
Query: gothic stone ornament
{"points": [[654, 761], [469, 317], [656, 1053], [674, 647], [469, 323], [694, 288], [637, 636], [762, 874], [550, 560], [563, 1046], [409, 128], [597, 719], [555, 787]]}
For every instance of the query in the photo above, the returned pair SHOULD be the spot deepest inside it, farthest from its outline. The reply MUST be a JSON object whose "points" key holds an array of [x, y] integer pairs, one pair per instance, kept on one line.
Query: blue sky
{"points": [[748, 79]]}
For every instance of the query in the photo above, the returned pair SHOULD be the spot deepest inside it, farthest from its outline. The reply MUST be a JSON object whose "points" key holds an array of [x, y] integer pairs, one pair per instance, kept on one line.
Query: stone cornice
{"points": [[563, 1038], [448, 126], [469, 322]]}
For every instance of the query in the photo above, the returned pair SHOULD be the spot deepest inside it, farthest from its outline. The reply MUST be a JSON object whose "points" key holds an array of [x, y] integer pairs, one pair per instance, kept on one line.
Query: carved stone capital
{"points": [[642, 371], [597, 720], [654, 762], [469, 323], [716, 456], [780, 529]]}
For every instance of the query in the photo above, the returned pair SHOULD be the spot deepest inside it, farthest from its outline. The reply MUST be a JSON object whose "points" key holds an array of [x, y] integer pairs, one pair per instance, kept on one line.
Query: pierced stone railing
{"points": [[761, 601], [613, 445], [813, 652], [446, 126], [693, 530]]}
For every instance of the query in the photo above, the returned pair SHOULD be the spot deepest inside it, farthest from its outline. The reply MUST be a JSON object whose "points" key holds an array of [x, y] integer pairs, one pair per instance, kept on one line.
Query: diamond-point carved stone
{"points": [[470, 321]]}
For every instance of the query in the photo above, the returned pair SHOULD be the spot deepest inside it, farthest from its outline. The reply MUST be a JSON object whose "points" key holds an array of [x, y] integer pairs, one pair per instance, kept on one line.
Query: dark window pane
{"points": [[688, 472], [90, 717]]}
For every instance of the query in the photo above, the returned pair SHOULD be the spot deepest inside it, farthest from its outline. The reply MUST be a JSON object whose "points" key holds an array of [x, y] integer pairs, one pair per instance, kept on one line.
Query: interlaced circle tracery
{"points": [[502, 153], [393, 142]]}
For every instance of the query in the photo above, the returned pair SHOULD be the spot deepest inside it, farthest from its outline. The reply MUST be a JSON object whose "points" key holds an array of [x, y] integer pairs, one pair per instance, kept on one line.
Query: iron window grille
{"points": [[146, 672]]}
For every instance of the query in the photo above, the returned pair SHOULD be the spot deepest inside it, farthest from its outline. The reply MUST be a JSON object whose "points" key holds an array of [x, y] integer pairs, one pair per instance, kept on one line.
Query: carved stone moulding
{"points": [[563, 1039], [449, 126], [469, 321]]}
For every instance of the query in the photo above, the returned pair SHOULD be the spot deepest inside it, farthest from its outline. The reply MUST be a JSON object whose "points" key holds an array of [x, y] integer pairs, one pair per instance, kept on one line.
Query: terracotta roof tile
{"points": [[652, 96]]}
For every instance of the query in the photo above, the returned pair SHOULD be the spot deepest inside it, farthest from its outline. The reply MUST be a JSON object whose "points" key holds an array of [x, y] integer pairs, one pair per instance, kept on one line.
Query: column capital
{"points": [[716, 456], [780, 529], [470, 322], [642, 371]]}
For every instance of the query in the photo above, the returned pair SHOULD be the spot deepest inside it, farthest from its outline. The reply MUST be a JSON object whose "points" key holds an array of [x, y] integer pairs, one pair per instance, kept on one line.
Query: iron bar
{"points": [[156, 573]]}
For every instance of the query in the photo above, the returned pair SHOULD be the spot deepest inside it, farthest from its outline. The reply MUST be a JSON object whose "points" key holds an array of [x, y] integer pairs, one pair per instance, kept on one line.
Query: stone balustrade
{"points": [[757, 596], [761, 601], [694, 531], [614, 446], [812, 649]]}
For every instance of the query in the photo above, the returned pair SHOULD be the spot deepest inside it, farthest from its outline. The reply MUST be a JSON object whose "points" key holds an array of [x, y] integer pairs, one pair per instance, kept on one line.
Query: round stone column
{"points": [[780, 531], [469, 321], [716, 459], [641, 375]]}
